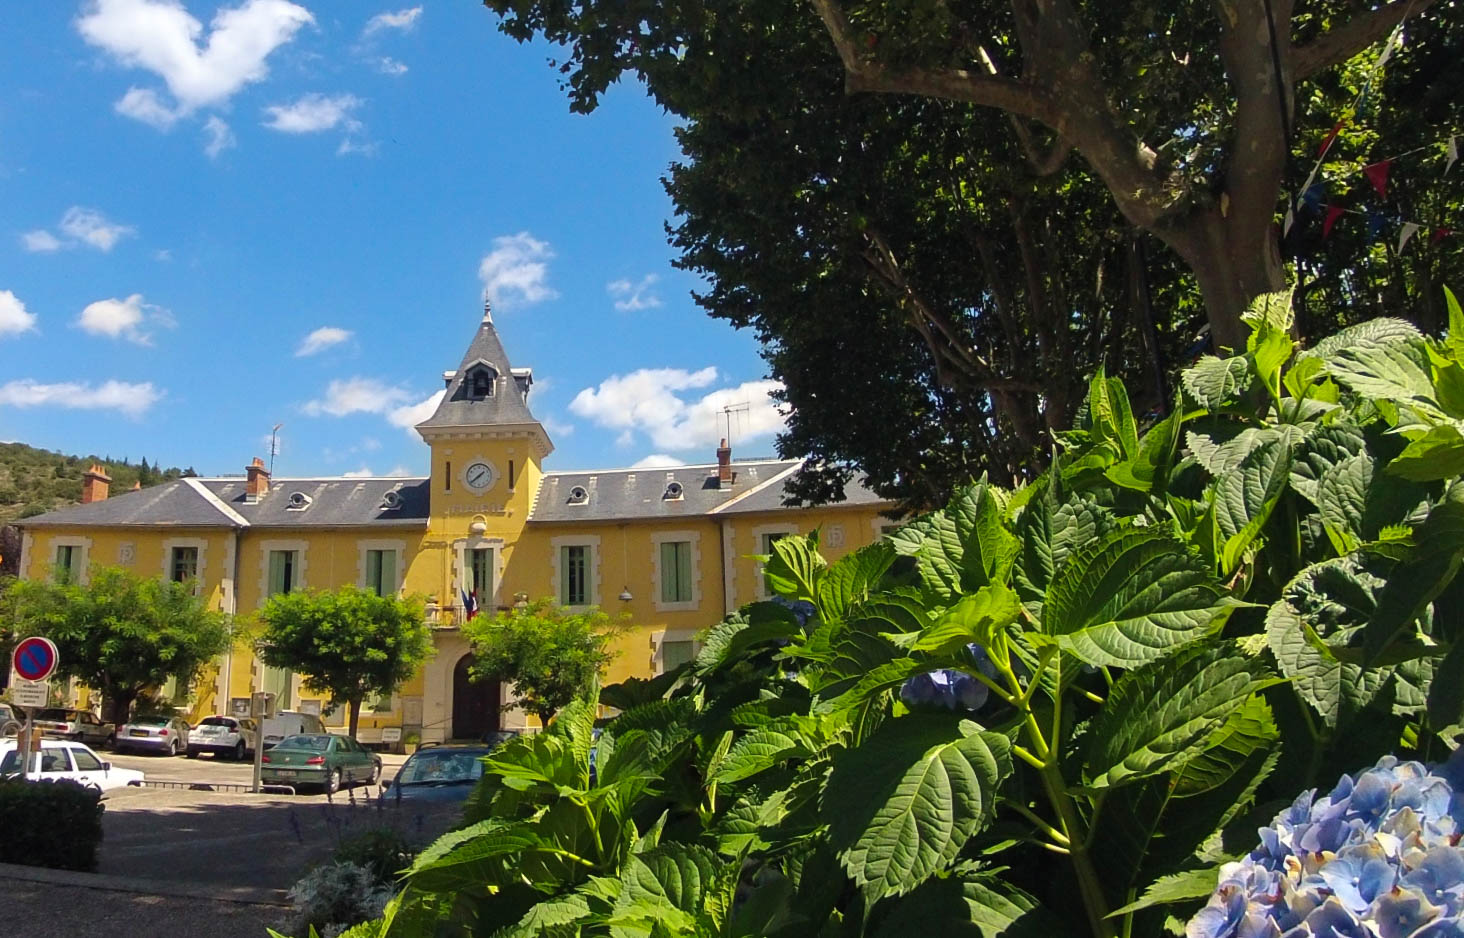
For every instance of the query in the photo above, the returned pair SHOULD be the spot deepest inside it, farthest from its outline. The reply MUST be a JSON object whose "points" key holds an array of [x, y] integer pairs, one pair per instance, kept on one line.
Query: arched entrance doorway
{"points": [[474, 704]]}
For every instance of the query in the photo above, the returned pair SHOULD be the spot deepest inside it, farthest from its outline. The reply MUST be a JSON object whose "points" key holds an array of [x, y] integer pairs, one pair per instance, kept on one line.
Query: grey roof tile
{"points": [[330, 502], [506, 405], [174, 503]]}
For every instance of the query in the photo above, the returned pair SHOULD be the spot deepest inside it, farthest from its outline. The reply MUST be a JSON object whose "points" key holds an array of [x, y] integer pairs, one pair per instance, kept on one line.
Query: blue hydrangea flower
{"points": [[1376, 857], [948, 688]]}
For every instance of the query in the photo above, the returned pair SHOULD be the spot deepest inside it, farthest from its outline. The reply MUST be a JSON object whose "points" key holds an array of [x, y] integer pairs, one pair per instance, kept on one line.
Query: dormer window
{"points": [[674, 492], [579, 495]]}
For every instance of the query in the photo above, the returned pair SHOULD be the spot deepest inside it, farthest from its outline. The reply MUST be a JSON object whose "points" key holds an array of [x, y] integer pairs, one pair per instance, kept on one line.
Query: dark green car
{"points": [[326, 760]]}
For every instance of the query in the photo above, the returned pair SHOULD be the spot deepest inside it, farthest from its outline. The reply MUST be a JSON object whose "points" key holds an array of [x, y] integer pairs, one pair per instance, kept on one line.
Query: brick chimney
{"points": [[94, 484], [724, 465], [256, 480]]}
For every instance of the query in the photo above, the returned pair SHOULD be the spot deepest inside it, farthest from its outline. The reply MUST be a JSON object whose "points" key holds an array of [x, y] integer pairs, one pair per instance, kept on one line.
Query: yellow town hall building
{"points": [[670, 546]]}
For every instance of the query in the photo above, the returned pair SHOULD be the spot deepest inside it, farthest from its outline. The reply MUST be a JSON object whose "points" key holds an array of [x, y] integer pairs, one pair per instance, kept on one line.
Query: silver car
{"points": [[79, 725], [223, 736], [166, 735]]}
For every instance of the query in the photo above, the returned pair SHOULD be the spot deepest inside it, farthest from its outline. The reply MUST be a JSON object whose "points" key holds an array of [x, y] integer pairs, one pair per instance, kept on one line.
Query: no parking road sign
{"points": [[34, 659]]}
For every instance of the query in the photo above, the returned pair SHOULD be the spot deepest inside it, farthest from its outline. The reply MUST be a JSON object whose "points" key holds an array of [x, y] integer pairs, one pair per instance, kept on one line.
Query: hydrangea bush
{"points": [[1049, 711], [1377, 856]]}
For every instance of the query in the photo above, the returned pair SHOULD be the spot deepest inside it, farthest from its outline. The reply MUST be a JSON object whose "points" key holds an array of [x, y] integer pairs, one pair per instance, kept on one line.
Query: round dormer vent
{"points": [[673, 490], [579, 495], [299, 501], [391, 500]]}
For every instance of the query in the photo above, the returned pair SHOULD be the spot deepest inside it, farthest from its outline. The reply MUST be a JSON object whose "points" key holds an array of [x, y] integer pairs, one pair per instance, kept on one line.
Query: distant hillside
{"points": [[33, 480]]}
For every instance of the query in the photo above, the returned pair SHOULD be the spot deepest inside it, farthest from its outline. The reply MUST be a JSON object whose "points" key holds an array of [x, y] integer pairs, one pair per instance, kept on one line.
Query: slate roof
{"points": [[640, 494], [220, 503], [333, 502], [174, 504], [508, 404]]}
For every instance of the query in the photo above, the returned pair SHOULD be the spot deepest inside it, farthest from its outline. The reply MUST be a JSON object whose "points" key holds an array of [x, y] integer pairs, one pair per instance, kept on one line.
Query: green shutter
{"points": [[386, 573], [564, 577], [276, 572], [683, 572], [675, 654], [669, 572]]}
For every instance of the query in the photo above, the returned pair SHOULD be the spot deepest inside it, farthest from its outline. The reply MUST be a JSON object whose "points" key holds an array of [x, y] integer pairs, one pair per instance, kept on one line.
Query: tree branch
{"points": [[1341, 43], [863, 72]]}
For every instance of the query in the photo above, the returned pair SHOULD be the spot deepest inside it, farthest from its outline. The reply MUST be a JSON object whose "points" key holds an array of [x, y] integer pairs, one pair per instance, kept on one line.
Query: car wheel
{"points": [[332, 781], [375, 774], [174, 748], [239, 751], [111, 742], [192, 753]]}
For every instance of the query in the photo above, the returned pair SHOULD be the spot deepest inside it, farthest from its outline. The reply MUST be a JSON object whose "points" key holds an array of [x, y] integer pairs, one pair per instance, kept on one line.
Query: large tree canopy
{"points": [[120, 634]]}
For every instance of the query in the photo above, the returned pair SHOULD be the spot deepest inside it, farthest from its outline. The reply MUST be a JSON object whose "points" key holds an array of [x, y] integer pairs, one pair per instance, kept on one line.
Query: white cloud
{"points": [[220, 137], [409, 415], [516, 271], [399, 472], [162, 255], [657, 461], [647, 402], [143, 104], [40, 241], [92, 227], [369, 444], [162, 37], [404, 20], [322, 339], [557, 428], [634, 296], [123, 319], [351, 145], [387, 65], [363, 473], [312, 113], [358, 396], [131, 399], [13, 316]]}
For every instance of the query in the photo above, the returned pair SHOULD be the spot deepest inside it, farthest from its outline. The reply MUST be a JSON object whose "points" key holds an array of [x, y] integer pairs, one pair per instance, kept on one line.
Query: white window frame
{"points": [[363, 547], [83, 564], [591, 541], [460, 571], [301, 548], [201, 544], [675, 537], [757, 541], [659, 639]]}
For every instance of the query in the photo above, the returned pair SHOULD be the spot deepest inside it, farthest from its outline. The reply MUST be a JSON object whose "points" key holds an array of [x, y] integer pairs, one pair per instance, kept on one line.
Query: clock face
{"points": [[480, 476]]}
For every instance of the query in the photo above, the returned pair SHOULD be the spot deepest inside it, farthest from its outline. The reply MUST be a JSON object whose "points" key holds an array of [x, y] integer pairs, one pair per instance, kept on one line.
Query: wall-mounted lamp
{"points": [[625, 596]]}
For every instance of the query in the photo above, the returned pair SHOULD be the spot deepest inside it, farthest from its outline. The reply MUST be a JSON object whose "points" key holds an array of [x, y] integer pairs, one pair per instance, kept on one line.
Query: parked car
{"points": [[167, 735], [290, 723], [438, 772], [62, 759], [323, 759], [223, 736], [10, 721], [79, 725]]}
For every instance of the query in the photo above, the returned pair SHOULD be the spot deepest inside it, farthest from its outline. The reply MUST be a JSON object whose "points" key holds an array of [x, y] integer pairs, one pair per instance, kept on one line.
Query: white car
{"points": [[229, 737], [63, 759]]}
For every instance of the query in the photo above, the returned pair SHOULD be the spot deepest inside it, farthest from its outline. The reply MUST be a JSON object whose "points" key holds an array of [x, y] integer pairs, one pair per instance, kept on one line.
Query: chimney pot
{"points": [[724, 465], [256, 480], [94, 483]]}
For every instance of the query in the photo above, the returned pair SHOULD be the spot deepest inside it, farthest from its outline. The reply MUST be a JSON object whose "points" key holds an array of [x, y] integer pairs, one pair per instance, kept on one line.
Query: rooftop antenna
{"points": [[273, 446], [727, 413], [487, 309]]}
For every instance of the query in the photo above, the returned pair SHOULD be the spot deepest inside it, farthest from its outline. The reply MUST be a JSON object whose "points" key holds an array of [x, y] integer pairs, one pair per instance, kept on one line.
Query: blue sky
{"points": [[219, 217]]}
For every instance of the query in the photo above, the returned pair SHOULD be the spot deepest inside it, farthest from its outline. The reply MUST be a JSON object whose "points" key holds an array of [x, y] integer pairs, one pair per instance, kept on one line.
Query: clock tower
{"points": [[487, 460]]}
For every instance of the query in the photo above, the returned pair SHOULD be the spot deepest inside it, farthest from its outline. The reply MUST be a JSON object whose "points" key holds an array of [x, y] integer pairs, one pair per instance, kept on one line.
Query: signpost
{"points": [[261, 708], [33, 661]]}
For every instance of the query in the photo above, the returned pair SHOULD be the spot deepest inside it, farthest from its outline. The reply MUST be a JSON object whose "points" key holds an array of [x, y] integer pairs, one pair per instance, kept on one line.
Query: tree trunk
{"points": [[355, 705], [117, 705], [1233, 264]]}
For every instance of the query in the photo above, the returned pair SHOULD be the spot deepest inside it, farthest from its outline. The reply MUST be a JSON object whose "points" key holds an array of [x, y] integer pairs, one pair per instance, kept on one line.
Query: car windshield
{"points": [[56, 713], [430, 766], [218, 721], [313, 743], [150, 721]]}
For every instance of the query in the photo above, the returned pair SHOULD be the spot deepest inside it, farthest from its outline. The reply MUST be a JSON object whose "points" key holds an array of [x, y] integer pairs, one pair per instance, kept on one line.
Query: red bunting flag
{"points": [[1377, 174], [1327, 143], [1440, 234], [1334, 212]]}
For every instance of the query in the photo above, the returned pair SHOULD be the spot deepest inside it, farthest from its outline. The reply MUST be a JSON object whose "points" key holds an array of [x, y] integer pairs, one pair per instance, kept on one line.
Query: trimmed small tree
{"points": [[350, 643], [120, 633], [547, 653]]}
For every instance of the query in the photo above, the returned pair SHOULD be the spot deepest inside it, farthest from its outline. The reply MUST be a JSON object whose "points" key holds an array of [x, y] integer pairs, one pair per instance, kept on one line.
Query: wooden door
{"points": [[474, 704]]}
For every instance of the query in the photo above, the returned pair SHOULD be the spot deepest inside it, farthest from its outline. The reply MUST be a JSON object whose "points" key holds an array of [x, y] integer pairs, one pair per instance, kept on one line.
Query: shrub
{"points": [[382, 850], [335, 896], [53, 824]]}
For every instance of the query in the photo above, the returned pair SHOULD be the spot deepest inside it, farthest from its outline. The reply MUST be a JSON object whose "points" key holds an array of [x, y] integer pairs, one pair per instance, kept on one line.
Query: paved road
{"points": [[42, 910]]}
